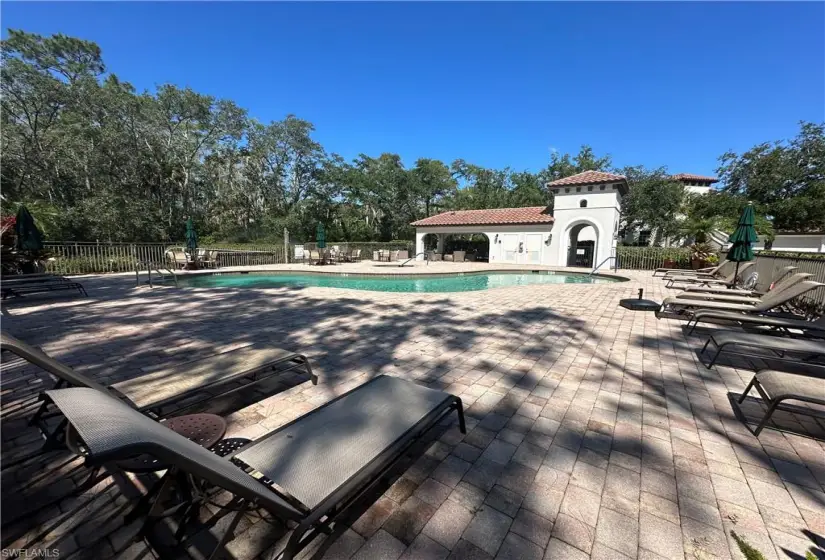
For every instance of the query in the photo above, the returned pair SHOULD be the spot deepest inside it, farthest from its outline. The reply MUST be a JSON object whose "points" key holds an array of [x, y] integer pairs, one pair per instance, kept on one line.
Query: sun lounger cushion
{"points": [[785, 385], [314, 456], [769, 342]]}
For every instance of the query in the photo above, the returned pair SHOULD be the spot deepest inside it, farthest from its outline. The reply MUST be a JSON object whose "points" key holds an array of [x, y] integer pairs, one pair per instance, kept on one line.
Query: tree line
{"points": [[95, 159]]}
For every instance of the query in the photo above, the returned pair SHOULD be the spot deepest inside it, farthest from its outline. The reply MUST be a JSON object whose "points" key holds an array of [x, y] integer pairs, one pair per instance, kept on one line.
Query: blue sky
{"points": [[497, 84]]}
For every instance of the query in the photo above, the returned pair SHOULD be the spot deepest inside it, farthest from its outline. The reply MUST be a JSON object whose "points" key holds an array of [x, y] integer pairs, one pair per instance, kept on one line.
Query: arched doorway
{"points": [[583, 238], [430, 241]]}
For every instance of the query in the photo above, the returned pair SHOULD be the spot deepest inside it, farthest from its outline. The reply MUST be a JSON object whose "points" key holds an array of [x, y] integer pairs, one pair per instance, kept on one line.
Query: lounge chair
{"points": [[308, 471], [778, 386], [707, 271], [734, 297], [38, 285], [37, 277], [778, 345], [678, 308], [174, 389], [781, 276], [729, 280], [177, 257], [207, 258], [781, 325]]}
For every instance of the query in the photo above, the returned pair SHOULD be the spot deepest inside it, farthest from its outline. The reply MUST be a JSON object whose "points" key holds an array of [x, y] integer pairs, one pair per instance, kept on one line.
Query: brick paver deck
{"points": [[593, 431]]}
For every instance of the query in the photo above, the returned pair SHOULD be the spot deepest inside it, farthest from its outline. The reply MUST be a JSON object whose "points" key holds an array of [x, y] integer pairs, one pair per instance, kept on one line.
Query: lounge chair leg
{"points": [[766, 418], [44, 407], [228, 534], [293, 546], [164, 488], [747, 390], [52, 438], [460, 409], [312, 376], [715, 357]]}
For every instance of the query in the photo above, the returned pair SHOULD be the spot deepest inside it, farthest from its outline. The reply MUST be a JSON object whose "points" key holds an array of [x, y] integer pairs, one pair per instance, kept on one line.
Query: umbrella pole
{"points": [[736, 275]]}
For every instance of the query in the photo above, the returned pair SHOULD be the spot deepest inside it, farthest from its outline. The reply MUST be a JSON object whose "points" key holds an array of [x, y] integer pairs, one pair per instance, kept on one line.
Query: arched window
{"points": [[583, 204]]}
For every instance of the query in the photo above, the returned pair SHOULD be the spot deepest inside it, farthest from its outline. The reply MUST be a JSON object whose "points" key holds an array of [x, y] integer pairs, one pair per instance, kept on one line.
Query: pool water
{"points": [[392, 283]]}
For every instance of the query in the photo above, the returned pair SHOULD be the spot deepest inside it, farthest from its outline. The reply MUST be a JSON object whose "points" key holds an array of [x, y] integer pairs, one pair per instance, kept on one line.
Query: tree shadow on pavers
{"points": [[813, 551], [357, 336], [78, 521]]}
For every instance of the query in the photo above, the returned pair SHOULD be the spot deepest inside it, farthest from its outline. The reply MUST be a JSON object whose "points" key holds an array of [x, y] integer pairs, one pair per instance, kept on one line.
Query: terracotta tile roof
{"points": [[692, 177], [496, 216], [587, 178]]}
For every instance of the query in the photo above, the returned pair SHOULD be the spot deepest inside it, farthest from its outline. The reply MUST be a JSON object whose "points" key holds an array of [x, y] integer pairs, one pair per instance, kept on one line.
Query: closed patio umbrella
{"points": [[192, 240], [320, 236], [321, 241], [742, 238], [29, 237]]}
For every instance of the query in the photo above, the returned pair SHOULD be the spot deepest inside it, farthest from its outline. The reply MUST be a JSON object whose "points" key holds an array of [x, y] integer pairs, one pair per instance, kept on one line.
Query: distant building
{"points": [[696, 184], [693, 184], [582, 229]]}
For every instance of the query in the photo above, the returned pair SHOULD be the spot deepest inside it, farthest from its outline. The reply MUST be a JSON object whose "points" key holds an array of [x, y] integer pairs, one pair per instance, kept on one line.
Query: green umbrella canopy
{"points": [[743, 237], [320, 236], [191, 235], [29, 237]]}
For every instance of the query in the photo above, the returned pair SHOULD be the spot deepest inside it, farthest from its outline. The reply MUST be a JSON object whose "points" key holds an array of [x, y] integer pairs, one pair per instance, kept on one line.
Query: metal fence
{"points": [[767, 265], [70, 257], [83, 257], [651, 258]]}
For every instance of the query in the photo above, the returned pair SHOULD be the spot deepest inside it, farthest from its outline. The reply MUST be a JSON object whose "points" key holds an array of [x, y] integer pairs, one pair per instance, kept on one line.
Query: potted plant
{"points": [[699, 255]]}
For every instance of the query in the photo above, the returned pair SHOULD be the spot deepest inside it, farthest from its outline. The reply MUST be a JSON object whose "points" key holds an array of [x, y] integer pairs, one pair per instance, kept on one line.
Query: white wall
{"points": [[601, 215], [802, 243], [693, 189]]}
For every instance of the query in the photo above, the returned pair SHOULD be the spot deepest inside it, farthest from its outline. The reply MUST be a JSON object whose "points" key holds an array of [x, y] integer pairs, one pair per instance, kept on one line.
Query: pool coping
{"points": [[289, 272]]}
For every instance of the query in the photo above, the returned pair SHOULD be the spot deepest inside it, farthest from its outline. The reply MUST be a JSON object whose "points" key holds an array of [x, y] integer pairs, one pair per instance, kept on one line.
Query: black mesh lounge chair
{"points": [[781, 325], [778, 386], [728, 280], [733, 297], [677, 308], [13, 287], [170, 391], [780, 346], [308, 471]]}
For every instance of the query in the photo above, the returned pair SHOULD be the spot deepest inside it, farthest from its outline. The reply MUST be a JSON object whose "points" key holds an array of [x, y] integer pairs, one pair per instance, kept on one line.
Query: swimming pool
{"points": [[466, 282]]}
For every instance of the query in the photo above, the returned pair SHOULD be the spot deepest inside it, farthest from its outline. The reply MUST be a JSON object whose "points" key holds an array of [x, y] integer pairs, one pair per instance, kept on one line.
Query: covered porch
{"points": [[513, 235]]}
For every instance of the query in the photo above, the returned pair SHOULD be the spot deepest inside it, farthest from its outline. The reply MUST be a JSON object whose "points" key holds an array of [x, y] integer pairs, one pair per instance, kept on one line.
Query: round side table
{"points": [[203, 429]]}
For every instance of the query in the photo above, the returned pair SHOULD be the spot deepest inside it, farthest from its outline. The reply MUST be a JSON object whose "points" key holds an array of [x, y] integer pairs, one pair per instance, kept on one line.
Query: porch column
{"points": [[419, 245], [439, 247]]}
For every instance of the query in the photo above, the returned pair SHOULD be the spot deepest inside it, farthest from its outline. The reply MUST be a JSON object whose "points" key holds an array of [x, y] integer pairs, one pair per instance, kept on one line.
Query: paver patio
{"points": [[593, 431]]}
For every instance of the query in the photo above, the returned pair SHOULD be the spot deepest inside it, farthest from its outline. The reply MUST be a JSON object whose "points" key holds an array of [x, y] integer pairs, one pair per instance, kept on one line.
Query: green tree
{"points": [[787, 178], [432, 182], [654, 201]]}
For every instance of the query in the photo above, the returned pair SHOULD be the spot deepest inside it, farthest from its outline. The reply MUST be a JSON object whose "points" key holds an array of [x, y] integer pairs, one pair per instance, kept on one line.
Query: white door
{"points": [[509, 247], [532, 249]]}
